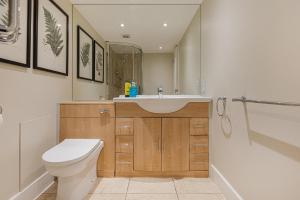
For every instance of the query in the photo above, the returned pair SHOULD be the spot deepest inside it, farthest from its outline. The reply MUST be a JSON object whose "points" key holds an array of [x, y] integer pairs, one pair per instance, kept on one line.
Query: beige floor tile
{"points": [[151, 197], [195, 186], [193, 179], [47, 196], [106, 197], [149, 189], [112, 186], [151, 186], [221, 197], [198, 197], [52, 189]]}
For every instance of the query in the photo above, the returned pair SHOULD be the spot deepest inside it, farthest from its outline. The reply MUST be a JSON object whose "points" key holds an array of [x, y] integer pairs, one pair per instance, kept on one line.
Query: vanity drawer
{"points": [[124, 162], [124, 126], [87, 110], [124, 144], [199, 162], [198, 144], [199, 126]]}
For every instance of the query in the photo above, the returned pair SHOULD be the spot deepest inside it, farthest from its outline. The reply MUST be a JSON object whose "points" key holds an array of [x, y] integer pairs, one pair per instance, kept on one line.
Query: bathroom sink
{"points": [[163, 103]]}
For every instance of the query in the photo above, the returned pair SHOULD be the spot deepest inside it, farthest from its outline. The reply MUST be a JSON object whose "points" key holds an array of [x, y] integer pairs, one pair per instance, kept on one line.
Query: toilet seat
{"points": [[70, 151]]}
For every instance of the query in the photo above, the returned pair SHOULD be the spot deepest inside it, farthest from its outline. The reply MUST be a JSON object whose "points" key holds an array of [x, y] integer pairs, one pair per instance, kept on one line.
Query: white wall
{"points": [[252, 48], [158, 72], [29, 98], [85, 89], [189, 58]]}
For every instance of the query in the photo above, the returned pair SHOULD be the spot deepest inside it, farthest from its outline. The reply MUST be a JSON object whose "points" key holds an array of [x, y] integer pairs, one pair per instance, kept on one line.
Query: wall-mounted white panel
{"points": [[36, 137]]}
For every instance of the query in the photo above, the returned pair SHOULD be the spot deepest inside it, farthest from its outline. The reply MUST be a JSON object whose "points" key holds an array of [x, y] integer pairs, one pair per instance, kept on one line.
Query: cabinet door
{"points": [[175, 144], [93, 128], [147, 144]]}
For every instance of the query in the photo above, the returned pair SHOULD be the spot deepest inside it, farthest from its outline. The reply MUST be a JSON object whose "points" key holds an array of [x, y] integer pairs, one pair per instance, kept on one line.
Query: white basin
{"points": [[164, 103]]}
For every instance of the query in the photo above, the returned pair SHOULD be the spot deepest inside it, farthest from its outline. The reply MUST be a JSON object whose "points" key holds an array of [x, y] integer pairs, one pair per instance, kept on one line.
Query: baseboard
{"points": [[227, 189], [35, 189]]}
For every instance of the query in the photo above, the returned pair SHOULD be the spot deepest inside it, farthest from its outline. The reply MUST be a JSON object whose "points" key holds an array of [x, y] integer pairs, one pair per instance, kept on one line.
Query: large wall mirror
{"points": [[157, 46]]}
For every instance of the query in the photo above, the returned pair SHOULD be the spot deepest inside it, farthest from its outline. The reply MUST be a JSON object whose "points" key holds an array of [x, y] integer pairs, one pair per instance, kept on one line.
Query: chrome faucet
{"points": [[159, 91]]}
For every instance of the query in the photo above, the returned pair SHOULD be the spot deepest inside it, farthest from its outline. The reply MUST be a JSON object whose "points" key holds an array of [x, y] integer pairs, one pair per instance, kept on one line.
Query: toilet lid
{"points": [[70, 151]]}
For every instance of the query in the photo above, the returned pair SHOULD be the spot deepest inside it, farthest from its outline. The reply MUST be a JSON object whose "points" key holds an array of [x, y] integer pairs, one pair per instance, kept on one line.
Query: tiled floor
{"points": [[149, 189]]}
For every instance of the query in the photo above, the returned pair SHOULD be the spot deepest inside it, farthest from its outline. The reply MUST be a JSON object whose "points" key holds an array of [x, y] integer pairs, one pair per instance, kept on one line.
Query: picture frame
{"points": [[85, 44], [98, 62], [17, 53], [51, 38]]}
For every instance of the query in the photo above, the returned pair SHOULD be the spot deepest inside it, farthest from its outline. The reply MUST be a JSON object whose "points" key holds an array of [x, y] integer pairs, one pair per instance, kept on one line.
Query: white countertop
{"points": [[87, 102], [190, 98], [163, 103]]}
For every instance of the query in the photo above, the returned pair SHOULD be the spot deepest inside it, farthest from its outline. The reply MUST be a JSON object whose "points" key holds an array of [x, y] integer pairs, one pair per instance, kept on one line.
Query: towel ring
{"points": [[221, 100]]}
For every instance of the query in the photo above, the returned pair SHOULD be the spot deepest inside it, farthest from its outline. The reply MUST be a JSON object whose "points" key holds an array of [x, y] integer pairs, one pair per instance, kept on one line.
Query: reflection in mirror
{"points": [[125, 64], [156, 46]]}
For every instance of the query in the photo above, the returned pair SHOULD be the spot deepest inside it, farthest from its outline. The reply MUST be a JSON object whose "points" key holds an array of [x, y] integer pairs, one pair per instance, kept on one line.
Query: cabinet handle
{"points": [[158, 145], [124, 162], [200, 145], [103, 111], [125, 128], [198, 126]]}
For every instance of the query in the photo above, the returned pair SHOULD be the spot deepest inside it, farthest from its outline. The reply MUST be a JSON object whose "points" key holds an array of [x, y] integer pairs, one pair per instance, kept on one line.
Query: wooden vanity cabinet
{"points": [[91, 120], [173, 144], [140, 143]]}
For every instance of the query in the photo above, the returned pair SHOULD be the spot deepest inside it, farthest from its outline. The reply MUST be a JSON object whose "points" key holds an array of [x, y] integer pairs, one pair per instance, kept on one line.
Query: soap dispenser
{"points": [[127, 88], [133, 89]]}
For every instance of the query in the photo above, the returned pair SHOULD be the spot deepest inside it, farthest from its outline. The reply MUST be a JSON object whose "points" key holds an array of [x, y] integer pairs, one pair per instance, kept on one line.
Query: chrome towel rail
{"points": [[245, 100]]}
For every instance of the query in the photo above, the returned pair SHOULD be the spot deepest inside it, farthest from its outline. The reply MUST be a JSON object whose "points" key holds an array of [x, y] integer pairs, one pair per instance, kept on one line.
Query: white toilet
{"points": [[74, 162]]}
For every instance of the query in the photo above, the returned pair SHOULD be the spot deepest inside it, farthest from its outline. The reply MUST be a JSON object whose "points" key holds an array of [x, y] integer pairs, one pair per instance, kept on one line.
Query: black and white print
{"points": [[98, 63], [51, 37], [84, 55], [17, 53]]}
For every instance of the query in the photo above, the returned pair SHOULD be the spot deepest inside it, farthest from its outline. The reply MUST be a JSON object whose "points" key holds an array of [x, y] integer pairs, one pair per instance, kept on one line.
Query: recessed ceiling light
{"points": [[122, 25], [165, 24], [160, 48]]}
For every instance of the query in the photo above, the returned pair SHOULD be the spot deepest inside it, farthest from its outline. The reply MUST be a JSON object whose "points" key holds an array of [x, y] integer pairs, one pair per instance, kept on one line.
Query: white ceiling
{"points": [[144, 23]]}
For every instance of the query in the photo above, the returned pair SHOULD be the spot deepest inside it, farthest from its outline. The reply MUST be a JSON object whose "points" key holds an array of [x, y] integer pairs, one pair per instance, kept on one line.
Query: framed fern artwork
{"points": [[84, 55], [98, 65], [18, 52], [51, 37]]}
